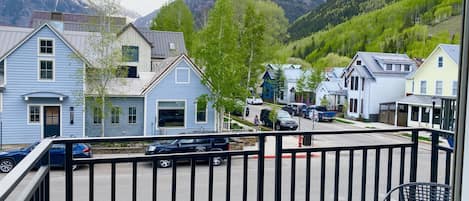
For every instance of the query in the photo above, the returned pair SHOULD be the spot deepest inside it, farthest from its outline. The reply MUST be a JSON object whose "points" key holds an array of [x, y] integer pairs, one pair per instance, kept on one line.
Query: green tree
{"points": [[273, 116], [315, 78], [253, 44], [276, 31], [278, 82], [301, 85], [176, 16], [107, 57], [219, 57], [324, 101]]}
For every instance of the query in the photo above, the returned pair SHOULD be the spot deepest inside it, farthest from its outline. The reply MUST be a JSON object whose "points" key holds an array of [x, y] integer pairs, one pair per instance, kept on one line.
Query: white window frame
{"points": [[172, 46], [1, 102], [386, 67], [206, 115], [407, 65], [426, 87], [128, 115], [39, 70], [436, 87], [171, 100], [394, 66], [188, 76], [39, 46], [93, 113], [454, 88], [29, 115], [119, 112], [442, 62]]}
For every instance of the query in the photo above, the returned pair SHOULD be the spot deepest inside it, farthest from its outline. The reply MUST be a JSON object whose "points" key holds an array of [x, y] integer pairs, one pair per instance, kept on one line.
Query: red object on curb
{"points": [[300, 140]]}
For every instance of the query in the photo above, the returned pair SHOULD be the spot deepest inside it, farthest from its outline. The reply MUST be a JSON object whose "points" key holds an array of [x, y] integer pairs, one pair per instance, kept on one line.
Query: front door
{"points": [[51, 121]]}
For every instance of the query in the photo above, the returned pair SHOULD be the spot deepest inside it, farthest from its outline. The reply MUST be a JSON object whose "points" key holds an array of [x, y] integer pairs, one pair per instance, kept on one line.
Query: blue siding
{"points": [[121, 129], [167, 89], [22, 78], [267, 90]]}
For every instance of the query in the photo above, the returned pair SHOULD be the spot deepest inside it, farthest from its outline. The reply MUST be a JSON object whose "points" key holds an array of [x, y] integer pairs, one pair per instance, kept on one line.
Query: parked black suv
{"points": [[189, 145], [284, 120]]}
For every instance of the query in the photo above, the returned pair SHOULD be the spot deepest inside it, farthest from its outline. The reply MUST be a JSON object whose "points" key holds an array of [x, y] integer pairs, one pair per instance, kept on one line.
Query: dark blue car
{"points": [[9, 159]]}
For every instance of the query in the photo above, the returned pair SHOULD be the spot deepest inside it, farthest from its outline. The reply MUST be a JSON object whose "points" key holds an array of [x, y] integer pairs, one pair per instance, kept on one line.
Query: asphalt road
{"points": [[144, 186]]}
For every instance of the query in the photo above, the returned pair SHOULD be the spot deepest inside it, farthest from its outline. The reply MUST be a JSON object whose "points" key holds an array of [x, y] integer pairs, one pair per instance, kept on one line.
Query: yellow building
{"points": [[436, 79]]}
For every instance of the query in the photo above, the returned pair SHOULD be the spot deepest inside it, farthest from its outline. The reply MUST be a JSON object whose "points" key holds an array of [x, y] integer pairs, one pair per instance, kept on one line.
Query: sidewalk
{"points": [[371, 125], [287, 142]]}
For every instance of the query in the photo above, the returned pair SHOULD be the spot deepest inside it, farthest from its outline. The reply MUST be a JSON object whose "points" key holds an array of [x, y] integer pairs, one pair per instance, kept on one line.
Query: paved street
{"points": [[124, 172]]}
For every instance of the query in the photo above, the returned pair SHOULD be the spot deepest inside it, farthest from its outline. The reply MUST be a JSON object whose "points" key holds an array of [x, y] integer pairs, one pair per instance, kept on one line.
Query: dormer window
{"points": [[407, 67], [46, 46], [172, 46], [359, 62], [389, 67], [440, 62]]}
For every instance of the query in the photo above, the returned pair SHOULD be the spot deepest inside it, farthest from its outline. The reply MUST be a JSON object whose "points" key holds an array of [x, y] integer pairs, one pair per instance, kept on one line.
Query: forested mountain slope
{"points": [[401, 27]]}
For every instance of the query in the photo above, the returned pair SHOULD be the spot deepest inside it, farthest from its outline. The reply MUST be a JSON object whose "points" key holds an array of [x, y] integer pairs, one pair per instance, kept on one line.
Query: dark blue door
{"points": [[51, 121]]}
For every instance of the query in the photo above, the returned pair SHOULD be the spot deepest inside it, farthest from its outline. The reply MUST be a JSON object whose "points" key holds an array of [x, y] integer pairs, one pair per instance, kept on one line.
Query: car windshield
{"points": [[283, 114], [31, 146]]}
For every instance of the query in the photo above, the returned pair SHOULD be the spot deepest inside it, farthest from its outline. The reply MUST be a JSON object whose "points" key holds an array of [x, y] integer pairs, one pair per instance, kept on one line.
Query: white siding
{"points": [[131, 38]]}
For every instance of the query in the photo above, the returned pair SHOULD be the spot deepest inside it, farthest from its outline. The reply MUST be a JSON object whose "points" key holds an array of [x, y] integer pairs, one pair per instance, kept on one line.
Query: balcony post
{"points": [[278, 167], [260, 168], [68, 172], [434, 157], [460, 181], [414, 155]]}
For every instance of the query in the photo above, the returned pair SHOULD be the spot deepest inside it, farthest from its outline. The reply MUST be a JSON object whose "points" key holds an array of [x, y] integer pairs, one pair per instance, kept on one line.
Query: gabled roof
{"points": [[371, 64], [335, 73], [18, 36], [138, 87], [131, 26], [452, 51], [161, 43], [170, 65]]}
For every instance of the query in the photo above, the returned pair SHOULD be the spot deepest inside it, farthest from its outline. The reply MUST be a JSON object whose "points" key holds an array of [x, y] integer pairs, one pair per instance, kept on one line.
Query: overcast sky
{"points": [[143, 7]]}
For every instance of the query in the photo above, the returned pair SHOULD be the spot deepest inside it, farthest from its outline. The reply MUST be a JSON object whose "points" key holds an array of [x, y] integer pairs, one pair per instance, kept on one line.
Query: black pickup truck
{"points": [[187, 146]]}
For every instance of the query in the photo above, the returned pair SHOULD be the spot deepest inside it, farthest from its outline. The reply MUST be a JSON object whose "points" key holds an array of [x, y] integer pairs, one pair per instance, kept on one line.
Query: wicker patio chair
{"points": [[421, 192]]}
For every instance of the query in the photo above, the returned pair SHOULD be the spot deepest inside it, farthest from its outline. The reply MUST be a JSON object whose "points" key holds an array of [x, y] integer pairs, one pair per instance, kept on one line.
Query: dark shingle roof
{"points": [[161, 41]]}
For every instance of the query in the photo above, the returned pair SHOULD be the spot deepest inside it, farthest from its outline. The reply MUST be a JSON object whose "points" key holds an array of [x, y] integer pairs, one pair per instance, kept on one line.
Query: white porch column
{"points": [[420, 115], [396, 110], [431, 117], [409, 114]]}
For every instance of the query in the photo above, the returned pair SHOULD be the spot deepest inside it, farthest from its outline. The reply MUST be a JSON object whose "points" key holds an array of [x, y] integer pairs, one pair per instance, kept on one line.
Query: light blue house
{"points": [[156, 103], [41, 86]]}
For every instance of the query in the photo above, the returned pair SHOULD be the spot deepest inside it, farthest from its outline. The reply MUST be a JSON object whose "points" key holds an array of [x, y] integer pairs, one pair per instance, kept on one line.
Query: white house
{"points": [[374, 78], [332, 88]]}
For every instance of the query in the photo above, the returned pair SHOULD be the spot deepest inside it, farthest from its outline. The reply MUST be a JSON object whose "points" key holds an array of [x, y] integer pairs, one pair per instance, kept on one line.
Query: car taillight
{"points": [[229, 147], [86, 150]]}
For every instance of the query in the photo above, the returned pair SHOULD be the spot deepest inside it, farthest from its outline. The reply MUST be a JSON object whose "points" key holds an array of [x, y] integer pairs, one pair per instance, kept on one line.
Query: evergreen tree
{"points": [[176, 16]]}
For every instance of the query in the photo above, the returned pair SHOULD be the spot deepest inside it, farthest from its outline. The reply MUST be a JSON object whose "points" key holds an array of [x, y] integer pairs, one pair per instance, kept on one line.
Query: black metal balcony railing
{"points": [[38, 187]]}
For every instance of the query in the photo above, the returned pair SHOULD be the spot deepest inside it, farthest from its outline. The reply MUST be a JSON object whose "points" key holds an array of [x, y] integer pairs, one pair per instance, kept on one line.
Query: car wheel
{"points": [[217, 161], [277, 127], [6, 165], [165, 163]]}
